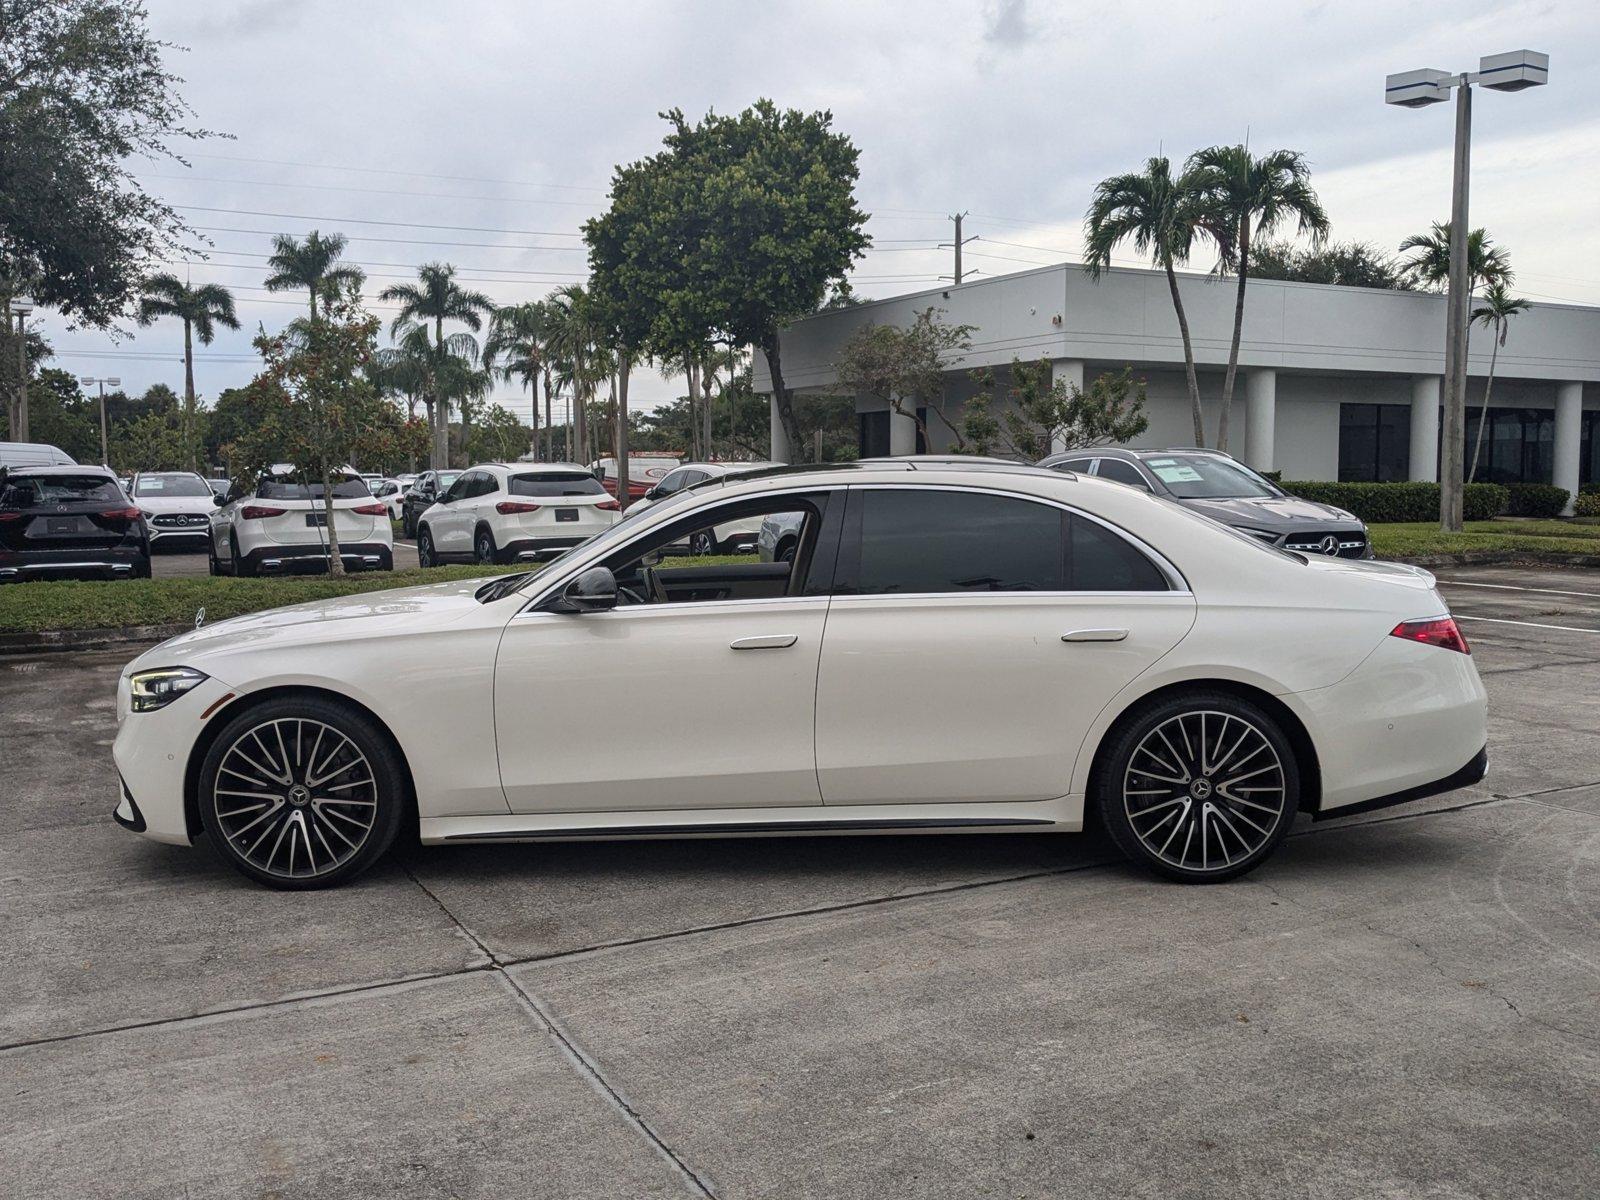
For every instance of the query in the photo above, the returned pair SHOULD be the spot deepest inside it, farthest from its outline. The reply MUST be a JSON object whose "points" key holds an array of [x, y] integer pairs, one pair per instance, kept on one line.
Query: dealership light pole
{"points": [[89, 381], [1509, 72], [20, 307]]}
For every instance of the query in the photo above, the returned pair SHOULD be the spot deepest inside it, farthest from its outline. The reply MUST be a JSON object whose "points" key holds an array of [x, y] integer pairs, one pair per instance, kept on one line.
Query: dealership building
{"points": [[1334, 382]]}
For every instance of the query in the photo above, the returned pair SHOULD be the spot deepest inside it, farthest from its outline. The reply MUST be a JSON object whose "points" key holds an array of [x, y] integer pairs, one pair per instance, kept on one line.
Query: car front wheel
{"points": [[301, 793], [484, 548], [425, 552], [1199, 788]]}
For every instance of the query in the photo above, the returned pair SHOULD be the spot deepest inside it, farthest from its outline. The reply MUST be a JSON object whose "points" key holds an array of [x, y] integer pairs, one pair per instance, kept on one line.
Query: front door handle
{"points": [[1095, 635], [771, 641]]}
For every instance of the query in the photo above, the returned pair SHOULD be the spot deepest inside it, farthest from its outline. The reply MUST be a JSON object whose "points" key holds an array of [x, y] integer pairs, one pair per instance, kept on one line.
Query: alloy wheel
{"points": [[295, 797], [1205, 790]]}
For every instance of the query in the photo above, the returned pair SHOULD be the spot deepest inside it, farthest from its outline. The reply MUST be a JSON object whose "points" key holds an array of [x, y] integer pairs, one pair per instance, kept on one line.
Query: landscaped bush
{"points": [[1536, 500], [1381, 503], [1587, 504]]}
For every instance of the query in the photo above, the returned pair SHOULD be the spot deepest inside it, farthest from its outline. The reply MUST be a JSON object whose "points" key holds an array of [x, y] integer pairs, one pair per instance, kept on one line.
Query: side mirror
{"points": [[653, 494], [593, 591]]}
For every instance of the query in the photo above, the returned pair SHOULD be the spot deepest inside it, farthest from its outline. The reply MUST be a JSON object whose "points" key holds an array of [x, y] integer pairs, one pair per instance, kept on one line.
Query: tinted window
{"points": [[1202, 477], [484, 485], [282, 489], [171, 485], [1080, 465], [1104, 562], [570, 483], [1118, 471], [25, 491], [929, 541]]}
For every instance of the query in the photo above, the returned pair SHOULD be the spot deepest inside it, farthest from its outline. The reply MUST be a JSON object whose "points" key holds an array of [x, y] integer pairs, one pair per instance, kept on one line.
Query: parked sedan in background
{"points": [[1218, 486], [425, 492], [177, 507], [978, 649], [278, 525], [500, 513], [732, 537], [69, 523]]}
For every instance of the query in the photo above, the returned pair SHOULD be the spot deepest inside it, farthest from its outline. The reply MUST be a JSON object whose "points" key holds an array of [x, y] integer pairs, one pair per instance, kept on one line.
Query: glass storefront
{"points": [[1374, 443], [1518, 445]]}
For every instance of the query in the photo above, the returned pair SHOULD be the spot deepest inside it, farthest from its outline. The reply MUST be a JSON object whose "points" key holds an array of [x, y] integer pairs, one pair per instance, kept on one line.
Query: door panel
{"points": [[968, 697], [707, 725]]}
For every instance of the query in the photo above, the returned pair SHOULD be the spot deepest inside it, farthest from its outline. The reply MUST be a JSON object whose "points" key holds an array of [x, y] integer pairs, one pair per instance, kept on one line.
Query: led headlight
{"points": [[151, 690]]}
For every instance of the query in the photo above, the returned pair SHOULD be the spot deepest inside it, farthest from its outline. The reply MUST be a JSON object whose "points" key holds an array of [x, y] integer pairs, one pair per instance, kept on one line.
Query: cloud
{"points": [[1007, 23]]}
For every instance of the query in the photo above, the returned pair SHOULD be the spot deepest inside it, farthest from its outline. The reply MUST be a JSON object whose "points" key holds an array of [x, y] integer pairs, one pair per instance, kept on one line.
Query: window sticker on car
{"points": [[1170, 470]]}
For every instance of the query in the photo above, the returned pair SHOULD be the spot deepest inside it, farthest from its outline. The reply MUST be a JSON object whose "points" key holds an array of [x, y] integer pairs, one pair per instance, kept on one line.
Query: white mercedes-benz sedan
{"points": [[953, 648]]}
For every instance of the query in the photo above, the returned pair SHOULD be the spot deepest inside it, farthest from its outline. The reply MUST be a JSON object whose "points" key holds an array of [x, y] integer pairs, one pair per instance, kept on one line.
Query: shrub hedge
{"points": [[1587, 504], [1380, 503], [1536, 500]]}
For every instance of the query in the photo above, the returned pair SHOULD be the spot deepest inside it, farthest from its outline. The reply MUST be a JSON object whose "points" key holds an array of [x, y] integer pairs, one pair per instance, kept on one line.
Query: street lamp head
{"points": [[1417, 89], [1514, 70], [114, 381], [87, 380]]}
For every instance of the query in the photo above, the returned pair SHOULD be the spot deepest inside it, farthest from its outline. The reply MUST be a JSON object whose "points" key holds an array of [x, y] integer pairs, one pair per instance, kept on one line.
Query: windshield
{"points": [[1202, 477], [171, 485]]}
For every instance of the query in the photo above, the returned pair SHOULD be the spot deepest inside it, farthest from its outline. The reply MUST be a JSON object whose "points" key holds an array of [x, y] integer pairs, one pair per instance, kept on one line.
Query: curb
{"points": [[48, 641], [1481, 558]]}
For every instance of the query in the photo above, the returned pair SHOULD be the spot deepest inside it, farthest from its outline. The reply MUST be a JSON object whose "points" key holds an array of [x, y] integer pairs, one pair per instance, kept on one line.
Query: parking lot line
{"points": [[1511, 587], [1529, 624]]}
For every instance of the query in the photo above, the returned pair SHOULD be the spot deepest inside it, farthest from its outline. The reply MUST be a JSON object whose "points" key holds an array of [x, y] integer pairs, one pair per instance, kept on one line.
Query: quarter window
{"points": [[1079, 465], [1118, 471], [1103, 562]]}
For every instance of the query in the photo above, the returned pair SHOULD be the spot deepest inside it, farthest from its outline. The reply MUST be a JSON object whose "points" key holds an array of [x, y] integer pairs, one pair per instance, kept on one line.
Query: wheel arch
{"points": [[242, 704], [1294, 729]]}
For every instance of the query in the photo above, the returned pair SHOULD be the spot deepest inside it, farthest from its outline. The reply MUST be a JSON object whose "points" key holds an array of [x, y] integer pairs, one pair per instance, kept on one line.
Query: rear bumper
{"points": [[534, 548], [279, 559], [1473, 772], [118, 563]]}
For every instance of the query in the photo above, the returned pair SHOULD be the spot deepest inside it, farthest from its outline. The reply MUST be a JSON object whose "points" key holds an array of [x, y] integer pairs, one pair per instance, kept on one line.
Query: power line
{"points": [[254, 212], [334, 187], [279, 162]]}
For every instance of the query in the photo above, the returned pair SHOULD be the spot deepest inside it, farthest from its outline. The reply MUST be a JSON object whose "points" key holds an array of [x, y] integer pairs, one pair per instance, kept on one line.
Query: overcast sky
{"points": [[484, 133]]}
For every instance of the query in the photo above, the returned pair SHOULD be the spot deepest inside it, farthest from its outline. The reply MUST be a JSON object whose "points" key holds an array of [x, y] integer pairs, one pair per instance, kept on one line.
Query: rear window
{"points": [[26, 491], [170, 485], [280, 489], [569, 483]]}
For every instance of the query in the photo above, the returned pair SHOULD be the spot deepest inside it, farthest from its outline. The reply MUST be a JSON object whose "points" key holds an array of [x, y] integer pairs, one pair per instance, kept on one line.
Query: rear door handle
{"points": [[1095, 635], [771, 641]]}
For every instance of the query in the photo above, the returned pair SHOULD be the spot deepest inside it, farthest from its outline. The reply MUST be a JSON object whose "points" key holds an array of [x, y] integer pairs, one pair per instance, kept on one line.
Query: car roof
{"points": [[62, 469], [1131, 454], [527, 468], [943, 464]]}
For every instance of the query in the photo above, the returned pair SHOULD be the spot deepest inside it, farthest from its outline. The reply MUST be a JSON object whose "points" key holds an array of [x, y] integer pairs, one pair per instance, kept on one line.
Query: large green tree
{"points": [[84, 96], [517, 348], [1046, 414], [201, 309], [1243, 196], [312, 263], [904, 367], [1161, 215], [425, 306], [1347, 264]]}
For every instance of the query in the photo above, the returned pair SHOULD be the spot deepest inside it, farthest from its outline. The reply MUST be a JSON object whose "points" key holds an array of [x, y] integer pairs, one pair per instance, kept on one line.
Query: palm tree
{"points": [[312, 264], [583, 362], [1496, 311], [201, 310], [1429, 264], [437, 297], [1244, 196], [1161, 216], [515, 349]]}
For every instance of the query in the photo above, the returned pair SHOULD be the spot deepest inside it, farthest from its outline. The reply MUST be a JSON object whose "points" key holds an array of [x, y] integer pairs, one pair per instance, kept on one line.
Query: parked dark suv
{"points": [[1219, 486], [424, 494], [67, 523]]}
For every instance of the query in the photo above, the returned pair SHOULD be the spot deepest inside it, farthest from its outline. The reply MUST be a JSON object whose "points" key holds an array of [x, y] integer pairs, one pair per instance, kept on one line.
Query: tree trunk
{"points": [[780, 395], [707, 374], [188, 395], [580, 414], [1238, 329], [695, 451], [622, 429], [533, 416], [1483, 416], [1188, 355], [549, 427], [335, 561], [466, 432]]}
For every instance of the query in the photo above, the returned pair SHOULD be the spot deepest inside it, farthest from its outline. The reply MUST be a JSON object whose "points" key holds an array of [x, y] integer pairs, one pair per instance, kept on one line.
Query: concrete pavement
{"points": [[1405, 1003]]}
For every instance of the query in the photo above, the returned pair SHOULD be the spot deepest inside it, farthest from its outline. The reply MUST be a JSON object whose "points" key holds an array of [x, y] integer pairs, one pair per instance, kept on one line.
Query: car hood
{"points": [[342, 618], [1279, 514]]}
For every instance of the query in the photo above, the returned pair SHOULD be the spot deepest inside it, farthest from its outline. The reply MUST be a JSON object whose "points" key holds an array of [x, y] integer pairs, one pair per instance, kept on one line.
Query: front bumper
{"points": [[123, 562], [290, 559]]}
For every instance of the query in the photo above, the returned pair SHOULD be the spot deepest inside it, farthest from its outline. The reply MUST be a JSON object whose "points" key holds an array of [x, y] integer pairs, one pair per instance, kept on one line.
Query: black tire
{"points": [[786, 551], [1201, 762], [264, 841], [407, 527], [141, 569], [483, 547], [426, 556], [703, 543], [213, 565], [240, 566], [385, 560]]}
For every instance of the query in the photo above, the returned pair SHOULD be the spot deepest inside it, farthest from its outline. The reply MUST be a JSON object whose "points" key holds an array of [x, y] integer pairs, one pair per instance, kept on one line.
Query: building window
{"points": [[1518, 445], [873, 433], [1589, 463], [1374, 443]]}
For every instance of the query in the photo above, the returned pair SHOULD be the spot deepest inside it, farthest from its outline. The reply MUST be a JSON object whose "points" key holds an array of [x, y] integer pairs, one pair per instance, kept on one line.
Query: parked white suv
{"points": [[278, 524], [514, 512], [731, 537], [393, 494], [177, 507]]}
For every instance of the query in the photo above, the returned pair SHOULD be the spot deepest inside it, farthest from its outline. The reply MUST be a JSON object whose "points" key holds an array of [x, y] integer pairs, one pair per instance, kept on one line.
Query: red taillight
{"points": [[609, 506], [370, 510], [122, 514], [258, 512], [11, 516], [508, 508], [1433, 631]]}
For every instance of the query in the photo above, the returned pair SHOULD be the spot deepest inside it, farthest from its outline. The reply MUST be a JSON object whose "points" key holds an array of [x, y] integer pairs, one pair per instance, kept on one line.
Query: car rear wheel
{"points": [[425, 554], [1199, 788], [483, 547], [241, 565], [301, 793], [702, 543]]}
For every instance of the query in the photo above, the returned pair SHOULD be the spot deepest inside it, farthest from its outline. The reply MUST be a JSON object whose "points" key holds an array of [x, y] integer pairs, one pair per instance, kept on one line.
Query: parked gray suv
{"points": [[1220, 487]]}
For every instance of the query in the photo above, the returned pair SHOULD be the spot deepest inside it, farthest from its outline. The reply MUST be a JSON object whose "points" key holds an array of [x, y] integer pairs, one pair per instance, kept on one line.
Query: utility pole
{"points": [[105, 445], [956, 245], [21, 306]]}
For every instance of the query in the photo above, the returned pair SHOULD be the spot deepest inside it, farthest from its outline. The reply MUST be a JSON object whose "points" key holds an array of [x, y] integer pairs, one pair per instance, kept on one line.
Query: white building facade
{"points": [[1334, 382]]}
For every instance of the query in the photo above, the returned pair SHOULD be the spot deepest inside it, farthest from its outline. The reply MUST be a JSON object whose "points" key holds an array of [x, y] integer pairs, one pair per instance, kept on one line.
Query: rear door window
{"points": [[910, 541]]}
